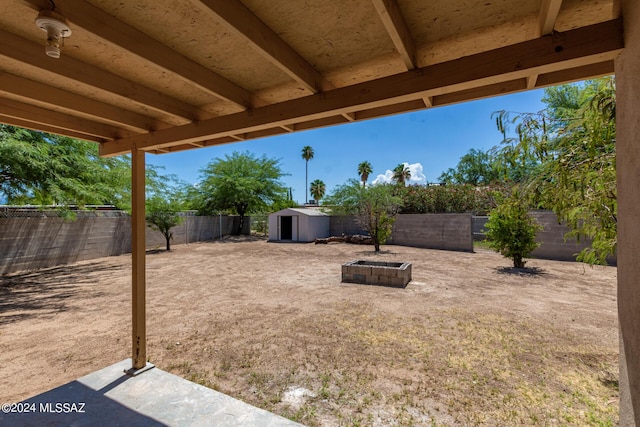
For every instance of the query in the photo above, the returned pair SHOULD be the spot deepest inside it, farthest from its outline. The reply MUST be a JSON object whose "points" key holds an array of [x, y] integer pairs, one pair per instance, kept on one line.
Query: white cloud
{"points": [[417, 175], [383, 179]]}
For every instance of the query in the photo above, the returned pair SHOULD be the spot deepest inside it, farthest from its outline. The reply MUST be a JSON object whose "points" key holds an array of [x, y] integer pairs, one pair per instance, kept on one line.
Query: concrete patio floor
{"points": [[153, 398]]}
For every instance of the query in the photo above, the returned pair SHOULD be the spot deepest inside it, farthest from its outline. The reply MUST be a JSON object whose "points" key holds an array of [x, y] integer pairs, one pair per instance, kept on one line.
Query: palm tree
{"points": [[401, 174], [317, 190], [364, 169], [307, 154]]}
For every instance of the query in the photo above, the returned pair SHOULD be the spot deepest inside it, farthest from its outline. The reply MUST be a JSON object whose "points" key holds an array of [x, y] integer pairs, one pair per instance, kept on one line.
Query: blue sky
{"points": [[435, 139]]}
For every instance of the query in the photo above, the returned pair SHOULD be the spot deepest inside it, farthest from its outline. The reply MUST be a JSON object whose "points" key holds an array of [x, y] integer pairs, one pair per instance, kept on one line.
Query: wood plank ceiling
{"points": [[166, 75]]}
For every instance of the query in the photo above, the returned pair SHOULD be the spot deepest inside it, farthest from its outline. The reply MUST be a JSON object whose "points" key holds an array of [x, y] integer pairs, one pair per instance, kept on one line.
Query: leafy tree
{"points": [[242, 183], [401, 174], [307, 154], [344, 198], [162, 214], [476, 167], [573, 141], [375, 207], [166, 197], [318, 188], [377, 212], [364, 170], [512, 231], [40, 168], [280, 204]]}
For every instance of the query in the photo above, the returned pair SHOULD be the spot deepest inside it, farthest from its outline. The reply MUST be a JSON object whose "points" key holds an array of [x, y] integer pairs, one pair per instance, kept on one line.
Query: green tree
{"points": [[43, 169], [344, 198], [377, 212], [375, 207], [401, 174], [476, 168], [364, 170], [317, 189], [166, 197], [512, 231], [307, 154], [573, 140], [242, 183], [162, 214]]}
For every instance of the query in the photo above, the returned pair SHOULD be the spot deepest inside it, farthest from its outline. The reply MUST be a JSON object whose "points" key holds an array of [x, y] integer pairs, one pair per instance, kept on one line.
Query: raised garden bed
{"points": [[395, 274]]}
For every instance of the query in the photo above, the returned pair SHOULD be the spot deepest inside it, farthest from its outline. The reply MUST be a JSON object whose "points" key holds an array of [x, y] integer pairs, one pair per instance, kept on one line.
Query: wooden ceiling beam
{"points": [[495, 89], [549, 11], [243, 23], [599, 69], [40, 127], [265, 132], [40, 92], [30, 53], [396, 27], [388, 110], [349, 116], [98, 22], [20, 110], [323, 122], [594, 43], [191, 146]]}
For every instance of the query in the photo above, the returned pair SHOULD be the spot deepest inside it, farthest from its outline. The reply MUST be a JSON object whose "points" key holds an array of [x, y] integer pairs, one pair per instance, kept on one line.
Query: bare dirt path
{"points": [[467, 342]]}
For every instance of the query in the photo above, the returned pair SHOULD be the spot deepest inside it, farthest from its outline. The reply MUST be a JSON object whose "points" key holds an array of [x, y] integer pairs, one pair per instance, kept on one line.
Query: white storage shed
{"points": [[298, 225]]}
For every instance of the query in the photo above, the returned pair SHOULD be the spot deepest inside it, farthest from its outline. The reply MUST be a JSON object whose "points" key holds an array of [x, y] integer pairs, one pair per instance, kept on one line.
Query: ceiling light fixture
{"points": [[56, 27]]}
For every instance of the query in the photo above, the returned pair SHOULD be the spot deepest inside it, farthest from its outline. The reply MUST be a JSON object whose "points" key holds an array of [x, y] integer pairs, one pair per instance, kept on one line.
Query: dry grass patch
{"points": [[449, 367], [463, 344]]}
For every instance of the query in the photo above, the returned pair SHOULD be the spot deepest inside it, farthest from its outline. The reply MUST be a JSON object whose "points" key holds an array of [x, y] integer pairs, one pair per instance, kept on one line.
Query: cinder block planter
{"points": [[395, 274]]}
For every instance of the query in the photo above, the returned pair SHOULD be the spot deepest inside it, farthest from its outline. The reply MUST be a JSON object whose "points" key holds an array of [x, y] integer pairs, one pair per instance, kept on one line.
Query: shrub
{"points": [[512, 231]]}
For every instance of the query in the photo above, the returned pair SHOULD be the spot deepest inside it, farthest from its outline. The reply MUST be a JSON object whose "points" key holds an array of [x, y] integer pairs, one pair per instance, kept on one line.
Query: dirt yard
{"points": [[468, 342]]}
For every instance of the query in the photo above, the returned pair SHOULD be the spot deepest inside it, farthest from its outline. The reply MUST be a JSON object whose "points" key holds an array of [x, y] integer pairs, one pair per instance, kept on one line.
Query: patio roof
{"points": [[166, 76], [158, 76]]}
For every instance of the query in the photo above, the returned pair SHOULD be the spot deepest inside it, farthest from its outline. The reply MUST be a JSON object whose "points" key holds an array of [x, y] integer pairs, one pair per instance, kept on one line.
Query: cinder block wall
{"points": [[435, 231], [198, 229], [347, 225], [32, 243], [457, 231], [478, 226], [551, 238]]}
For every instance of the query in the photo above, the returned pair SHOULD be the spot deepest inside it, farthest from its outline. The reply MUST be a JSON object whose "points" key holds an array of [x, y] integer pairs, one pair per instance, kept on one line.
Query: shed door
{"points": [[286, 228]]}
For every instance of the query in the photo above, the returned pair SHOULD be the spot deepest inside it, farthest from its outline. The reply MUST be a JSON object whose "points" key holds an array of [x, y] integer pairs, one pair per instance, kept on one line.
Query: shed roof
{"points": [[303, 211], [163, 76]]}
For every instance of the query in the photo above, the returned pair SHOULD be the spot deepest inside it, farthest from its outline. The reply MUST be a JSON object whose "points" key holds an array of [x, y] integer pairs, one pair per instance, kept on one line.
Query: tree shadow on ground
{"points": [[374, 253], [155, 251], [522, 272], [242, 238], [47, 291]]}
